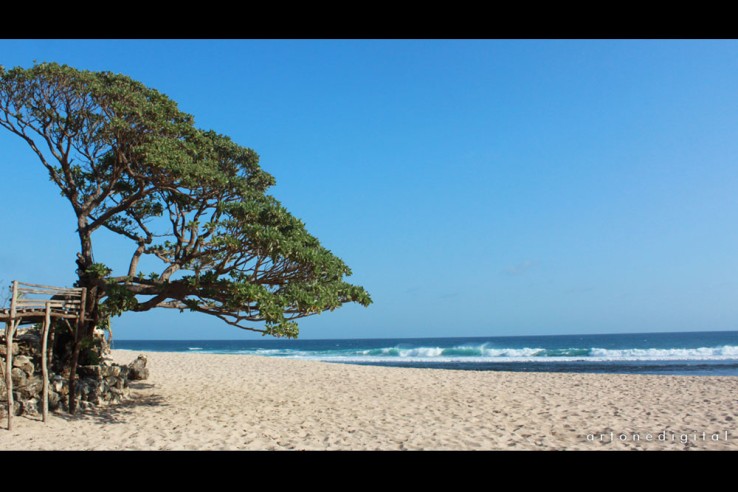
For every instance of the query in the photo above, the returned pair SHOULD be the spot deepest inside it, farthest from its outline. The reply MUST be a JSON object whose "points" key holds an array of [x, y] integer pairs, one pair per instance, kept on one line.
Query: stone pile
{"points": [[95, 385]]}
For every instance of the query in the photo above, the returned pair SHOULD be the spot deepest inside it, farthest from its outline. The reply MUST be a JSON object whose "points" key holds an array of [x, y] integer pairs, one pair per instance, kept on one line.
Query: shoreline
{"points": [[689, 353], [215, 401]]}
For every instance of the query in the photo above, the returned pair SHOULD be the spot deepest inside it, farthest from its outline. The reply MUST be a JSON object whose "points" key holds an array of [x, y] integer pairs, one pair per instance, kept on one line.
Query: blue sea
{"points": [[703, 353]]}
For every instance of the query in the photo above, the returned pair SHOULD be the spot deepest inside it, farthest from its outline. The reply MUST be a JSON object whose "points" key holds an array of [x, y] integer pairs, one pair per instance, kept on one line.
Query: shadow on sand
{"points": [[117, 413]]}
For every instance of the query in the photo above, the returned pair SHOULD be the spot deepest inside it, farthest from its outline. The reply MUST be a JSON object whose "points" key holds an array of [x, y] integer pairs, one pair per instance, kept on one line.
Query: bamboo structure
{"points": [[34, 303]]}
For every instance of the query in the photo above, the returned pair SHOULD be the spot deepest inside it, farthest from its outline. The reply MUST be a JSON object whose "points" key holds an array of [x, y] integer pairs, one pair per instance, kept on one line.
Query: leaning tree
{"points": [[192, 204]]}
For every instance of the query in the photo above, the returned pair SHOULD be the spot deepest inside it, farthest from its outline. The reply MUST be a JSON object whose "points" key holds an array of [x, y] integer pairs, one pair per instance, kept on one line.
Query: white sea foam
{"points": [[421, 352], [484, 353], [513, 353], [526, 354], [726, 352]]}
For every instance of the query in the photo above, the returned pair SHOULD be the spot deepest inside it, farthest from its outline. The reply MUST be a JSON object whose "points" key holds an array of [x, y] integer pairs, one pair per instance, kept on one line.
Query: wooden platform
{"points": [[34, 303], [33, 316]]}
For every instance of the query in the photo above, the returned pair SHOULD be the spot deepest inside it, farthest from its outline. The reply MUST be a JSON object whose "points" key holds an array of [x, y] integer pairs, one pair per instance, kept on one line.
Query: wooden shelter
{"points": [[31, 304]]}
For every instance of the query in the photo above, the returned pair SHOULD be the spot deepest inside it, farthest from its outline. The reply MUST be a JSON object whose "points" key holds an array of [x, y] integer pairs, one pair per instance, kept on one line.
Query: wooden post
{"points": [[10, 327], [44, 366], [8, 369]]}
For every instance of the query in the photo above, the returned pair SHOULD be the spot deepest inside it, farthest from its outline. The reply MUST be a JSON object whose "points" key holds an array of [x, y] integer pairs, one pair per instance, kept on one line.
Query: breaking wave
{"points": [[486, 353]]}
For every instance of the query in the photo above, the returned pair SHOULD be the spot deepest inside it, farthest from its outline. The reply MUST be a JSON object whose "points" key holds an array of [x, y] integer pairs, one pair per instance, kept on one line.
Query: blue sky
{"points": [[476, 188]]}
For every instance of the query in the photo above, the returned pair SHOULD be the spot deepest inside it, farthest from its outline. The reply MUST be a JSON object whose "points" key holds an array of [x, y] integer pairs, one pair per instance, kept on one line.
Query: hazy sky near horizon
{"points": [[491, 187]]}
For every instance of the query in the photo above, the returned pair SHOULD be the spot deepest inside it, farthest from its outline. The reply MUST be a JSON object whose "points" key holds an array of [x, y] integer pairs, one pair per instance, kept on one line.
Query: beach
{"points": [[194, 401]]}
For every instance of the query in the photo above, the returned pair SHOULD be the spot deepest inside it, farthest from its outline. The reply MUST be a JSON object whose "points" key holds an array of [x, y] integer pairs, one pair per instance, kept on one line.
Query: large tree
{"points": [[192, 202]]}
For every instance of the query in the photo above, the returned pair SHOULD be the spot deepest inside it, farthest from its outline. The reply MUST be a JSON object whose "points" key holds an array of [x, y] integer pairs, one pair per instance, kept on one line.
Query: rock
{"points": [[116, 394], [24, 363], [124, 377], [89, 387], [94, 399], [54, 400], [19, 377], [86, 387], [31, 388], [30, 407], [35, 385], [17, 407], [137, 369], [111, 371], [3, 350]]}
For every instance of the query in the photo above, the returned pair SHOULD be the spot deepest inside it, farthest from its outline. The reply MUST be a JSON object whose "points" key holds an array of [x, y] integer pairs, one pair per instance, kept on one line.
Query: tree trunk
{"points": [[82, 329]]}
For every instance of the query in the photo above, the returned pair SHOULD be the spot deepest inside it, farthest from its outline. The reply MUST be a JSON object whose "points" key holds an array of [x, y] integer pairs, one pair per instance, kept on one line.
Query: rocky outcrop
{"points": [[137, 369], [95, 385]]}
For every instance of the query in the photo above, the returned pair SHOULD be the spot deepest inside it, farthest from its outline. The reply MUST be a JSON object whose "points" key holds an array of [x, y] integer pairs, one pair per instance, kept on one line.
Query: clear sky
{"points": [[475, 187]]}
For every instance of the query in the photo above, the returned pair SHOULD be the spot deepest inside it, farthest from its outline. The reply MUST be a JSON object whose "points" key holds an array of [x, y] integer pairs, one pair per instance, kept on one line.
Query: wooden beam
{"points": [[54, 291], [41, 306], [44, 367], [42, 302], [53, 297], [37, 316], [8, 370], [9, 328], [49, 286]]}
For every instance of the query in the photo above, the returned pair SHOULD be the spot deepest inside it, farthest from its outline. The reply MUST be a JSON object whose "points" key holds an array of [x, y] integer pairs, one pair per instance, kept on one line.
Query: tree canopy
{"points": [[129, 161]]}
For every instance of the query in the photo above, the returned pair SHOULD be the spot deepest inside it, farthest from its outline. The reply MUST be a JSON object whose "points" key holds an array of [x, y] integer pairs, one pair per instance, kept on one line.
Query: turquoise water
{"points": [[703, 353]]}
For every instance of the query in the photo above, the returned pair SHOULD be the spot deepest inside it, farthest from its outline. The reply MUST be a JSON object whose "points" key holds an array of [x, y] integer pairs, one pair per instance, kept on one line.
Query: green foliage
{"points": [[118, 299], [129, 161], [98, 271]]}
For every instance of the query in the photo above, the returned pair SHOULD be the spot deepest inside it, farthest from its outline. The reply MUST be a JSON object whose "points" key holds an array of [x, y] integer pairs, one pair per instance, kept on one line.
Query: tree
{"points": [[192, 202]]}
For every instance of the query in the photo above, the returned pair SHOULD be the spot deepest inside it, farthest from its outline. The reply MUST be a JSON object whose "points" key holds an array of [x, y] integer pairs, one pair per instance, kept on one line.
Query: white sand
{"points": [[205, 401]]}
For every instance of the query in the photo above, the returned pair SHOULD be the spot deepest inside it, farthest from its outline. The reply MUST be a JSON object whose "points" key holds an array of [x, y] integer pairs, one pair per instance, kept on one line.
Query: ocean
{"points": [[697, 354]]}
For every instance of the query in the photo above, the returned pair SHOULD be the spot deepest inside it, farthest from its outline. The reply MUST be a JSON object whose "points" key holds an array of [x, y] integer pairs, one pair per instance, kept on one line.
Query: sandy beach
{"points": [[231, 402]]}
